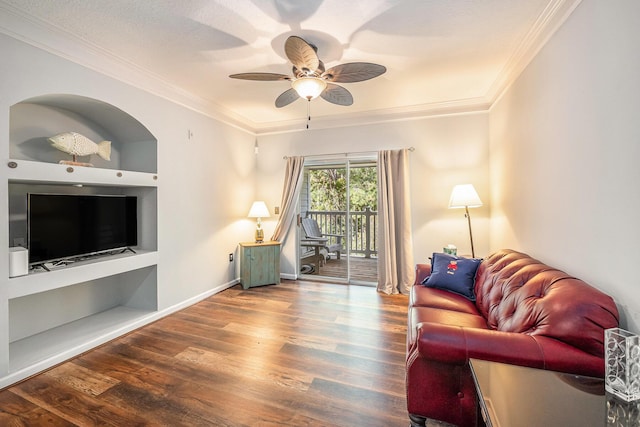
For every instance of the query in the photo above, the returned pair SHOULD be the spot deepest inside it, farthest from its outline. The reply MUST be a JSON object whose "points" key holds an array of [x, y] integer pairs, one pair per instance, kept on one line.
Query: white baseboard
{"points": [[196, 299]]}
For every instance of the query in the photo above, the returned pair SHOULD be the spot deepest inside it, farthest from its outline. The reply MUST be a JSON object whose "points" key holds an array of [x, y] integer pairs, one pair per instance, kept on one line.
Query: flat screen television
{"points": [[63, 226]]}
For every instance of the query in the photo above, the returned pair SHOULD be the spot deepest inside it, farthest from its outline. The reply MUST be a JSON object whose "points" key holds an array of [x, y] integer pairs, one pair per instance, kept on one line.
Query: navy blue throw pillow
{"points": [[453, 274]]}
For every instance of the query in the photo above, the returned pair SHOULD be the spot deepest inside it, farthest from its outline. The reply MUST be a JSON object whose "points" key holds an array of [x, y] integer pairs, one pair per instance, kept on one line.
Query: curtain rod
{"points": [[343, 154]]}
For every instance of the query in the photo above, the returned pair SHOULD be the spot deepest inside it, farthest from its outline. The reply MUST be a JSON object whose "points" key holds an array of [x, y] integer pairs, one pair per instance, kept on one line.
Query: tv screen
{"points": [[63, 226]]}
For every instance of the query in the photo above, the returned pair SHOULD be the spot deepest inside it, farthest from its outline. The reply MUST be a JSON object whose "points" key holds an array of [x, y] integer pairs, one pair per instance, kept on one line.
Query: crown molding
{"points": [[551, 18], [35, 32], [415, 112]]}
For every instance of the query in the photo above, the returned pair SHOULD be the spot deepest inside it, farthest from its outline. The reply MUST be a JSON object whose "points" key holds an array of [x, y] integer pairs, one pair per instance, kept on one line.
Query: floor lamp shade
{"points": [[465, 196], [259, 210]]}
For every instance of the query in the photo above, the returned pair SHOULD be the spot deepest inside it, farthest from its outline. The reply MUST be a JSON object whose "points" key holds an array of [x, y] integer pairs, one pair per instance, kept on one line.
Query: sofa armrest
{"points": [[422, 272], [456, 345]]}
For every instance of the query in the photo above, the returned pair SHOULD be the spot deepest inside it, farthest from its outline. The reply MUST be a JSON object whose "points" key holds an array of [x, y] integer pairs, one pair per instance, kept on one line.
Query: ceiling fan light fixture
{"points": [[310, 79], [309, 87]]}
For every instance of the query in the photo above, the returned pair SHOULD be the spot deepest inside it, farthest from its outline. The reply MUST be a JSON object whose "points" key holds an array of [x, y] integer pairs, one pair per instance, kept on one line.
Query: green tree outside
{"points": [[328, 189]]}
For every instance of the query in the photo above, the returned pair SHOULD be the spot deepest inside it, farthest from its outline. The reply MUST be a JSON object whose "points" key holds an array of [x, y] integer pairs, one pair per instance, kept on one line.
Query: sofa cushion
{"points": [[453, 274], [422, 296]]}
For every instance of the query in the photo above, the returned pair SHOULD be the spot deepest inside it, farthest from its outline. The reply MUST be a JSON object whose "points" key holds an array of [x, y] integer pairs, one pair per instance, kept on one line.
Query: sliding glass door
{"points": [[338, 220]]}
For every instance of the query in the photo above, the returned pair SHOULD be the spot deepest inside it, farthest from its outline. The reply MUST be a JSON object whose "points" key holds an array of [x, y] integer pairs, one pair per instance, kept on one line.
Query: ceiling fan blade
{"points": [[337, 95], [263, 77], [353, 72], [301, 54], [286, 98]]}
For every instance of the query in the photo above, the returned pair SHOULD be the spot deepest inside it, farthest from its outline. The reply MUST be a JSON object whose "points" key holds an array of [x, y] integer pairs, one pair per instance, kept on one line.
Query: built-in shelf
{"points": [[82, 271], [28, 171], [51, 326], [76, 337]]}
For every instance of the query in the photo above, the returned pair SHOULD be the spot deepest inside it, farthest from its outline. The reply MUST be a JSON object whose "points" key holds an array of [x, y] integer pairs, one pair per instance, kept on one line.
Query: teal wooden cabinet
{"points": [[259, 264]]}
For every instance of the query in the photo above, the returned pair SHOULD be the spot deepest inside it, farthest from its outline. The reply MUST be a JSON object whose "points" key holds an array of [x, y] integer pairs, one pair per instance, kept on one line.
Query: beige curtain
{"points": [[291, 191], [395, 254]]}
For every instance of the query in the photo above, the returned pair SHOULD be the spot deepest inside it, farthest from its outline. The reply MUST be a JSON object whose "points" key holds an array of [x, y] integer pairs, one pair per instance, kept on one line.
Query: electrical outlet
{"points": [[230, 257]]}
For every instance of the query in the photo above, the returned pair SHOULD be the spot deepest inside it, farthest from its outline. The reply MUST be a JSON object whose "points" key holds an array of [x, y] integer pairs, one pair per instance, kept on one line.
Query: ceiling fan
{"points": [[310, 79]]}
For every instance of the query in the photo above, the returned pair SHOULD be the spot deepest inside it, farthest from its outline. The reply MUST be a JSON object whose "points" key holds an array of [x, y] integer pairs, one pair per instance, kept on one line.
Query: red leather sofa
{"points": [[526, 313]]}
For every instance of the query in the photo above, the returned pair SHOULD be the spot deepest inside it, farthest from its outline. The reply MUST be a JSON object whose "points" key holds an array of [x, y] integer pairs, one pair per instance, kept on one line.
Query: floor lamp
{"points": [[465, 196]]}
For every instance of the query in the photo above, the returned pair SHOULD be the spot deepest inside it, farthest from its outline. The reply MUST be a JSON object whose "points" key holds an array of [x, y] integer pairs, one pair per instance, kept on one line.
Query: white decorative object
{"points": [[18, 261], [79, 145], [622, 364]]}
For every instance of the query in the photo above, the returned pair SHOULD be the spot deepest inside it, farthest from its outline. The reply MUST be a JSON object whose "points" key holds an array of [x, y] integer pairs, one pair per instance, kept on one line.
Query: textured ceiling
{"points": [[440, 54]]}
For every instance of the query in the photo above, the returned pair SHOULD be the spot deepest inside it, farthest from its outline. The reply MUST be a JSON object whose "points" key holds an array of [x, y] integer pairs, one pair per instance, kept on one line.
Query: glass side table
{"points": [[518, 396]]}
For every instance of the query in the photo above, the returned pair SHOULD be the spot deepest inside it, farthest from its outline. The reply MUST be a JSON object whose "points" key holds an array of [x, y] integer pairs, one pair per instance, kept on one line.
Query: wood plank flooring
{"points": [[295, 354]]}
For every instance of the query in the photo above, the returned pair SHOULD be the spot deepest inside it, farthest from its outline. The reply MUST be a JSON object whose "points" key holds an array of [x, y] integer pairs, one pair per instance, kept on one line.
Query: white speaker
{"points": [[18, 261]]}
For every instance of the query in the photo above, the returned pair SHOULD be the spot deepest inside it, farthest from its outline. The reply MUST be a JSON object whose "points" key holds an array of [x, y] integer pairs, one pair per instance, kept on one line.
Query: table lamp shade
{"points": [[259, 210]]}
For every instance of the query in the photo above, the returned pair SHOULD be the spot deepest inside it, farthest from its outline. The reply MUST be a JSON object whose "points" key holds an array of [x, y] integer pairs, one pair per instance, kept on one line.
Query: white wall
{"points": [[449, 150], [206, 183], [565, 146]]}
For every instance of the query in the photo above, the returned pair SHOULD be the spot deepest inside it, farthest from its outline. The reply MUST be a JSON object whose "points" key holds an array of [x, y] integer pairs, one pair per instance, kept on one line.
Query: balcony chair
{"points": [[314, 235]]}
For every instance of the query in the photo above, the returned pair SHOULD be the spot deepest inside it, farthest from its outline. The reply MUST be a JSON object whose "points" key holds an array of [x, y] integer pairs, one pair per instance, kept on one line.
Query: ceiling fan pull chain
{"points": [[308, 112]]}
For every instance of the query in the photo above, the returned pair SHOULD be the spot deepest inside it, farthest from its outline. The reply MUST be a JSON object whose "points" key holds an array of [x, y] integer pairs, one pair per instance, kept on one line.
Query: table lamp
{"points": [[465, 196], [259, 210]]}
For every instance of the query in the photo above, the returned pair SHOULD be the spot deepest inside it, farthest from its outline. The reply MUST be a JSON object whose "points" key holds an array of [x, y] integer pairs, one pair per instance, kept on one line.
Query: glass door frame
{"points": [[345, 161]]}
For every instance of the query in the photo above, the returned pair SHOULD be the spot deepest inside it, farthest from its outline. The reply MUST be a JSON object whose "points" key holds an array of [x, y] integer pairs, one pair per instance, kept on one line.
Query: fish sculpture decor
{"points": [[79, 145]]}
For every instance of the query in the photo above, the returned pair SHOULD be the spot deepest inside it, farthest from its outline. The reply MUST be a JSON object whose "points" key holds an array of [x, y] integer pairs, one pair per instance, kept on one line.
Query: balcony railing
{"points": [[363, 225]]}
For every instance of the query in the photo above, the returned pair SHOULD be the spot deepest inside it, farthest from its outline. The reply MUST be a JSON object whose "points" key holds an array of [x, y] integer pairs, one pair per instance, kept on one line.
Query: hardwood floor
{"points": [[295, 354]]}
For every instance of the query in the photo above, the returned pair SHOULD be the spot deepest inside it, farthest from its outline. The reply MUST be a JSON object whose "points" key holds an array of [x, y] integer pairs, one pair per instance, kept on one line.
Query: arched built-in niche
{"points": [[34, 120]]}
